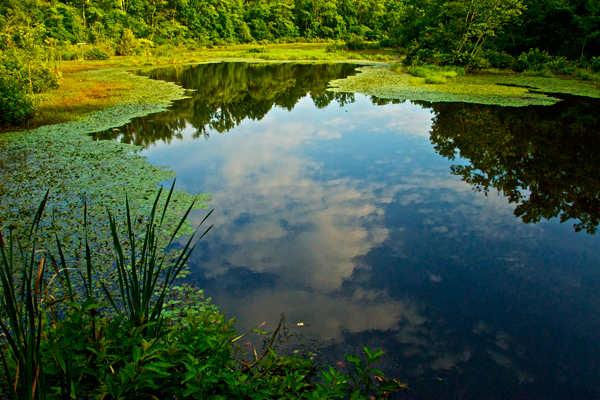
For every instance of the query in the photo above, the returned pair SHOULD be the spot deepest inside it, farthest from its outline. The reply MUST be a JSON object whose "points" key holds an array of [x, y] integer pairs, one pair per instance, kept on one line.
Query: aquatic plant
{"points": [[504, 89]]}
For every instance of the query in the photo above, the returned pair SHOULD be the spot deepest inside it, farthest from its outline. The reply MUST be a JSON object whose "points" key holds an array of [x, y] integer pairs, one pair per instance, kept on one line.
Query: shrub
{"points": [[500, 60], [397, 67], [127, 44], [356, 43], [43, 78], [69, 53], [96, 53], [562, 66], [594, 64], [534, 60], [17, 104], [389, 42]]}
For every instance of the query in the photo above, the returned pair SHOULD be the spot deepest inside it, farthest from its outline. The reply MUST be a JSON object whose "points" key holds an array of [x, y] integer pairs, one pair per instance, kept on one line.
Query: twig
{"points": [[248, 367]]}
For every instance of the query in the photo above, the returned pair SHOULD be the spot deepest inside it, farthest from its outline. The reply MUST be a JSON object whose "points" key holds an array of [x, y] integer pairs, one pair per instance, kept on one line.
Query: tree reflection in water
{"points": [[544, 159], [225, 94]]}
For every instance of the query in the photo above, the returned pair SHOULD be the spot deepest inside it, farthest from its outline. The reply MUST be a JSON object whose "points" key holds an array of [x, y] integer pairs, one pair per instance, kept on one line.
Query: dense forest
{"points": [[569, 28]]}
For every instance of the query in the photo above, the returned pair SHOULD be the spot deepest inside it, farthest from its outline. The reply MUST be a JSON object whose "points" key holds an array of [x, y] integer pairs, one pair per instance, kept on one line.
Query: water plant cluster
{"points": [[68, 334], [497, 88]]}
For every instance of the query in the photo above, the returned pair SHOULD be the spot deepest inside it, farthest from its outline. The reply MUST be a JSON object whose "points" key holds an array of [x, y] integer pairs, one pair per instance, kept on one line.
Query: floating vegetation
{"points": [[76, 170], [497, 89]]}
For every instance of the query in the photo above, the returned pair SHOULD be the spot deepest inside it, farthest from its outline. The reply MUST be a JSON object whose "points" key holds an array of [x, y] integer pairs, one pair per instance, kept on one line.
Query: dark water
{"points": [[368, 222]]}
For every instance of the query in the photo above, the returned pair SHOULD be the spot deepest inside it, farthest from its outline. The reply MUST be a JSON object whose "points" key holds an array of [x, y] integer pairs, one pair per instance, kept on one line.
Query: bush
{"points": [[562, 66], [127, 44], [594, 64], [43, 78], [534, 60], [397, 67], [544, 64], [389, 42], [69, 53], [17, 104], [356, 44], [500, 60], [96, 53], [587, 75]]}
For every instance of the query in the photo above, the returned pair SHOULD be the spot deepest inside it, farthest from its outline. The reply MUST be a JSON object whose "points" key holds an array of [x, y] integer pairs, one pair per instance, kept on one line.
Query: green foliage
{"points": [[257, 50], [532, 60], [435, 79], [500, 60], [17, 104], [540, 61], [63, 341], [595, 64], [21, 318], [127, 44], [96, 53], [587, 75], [545, 73], [21, 75], [357, 43]]}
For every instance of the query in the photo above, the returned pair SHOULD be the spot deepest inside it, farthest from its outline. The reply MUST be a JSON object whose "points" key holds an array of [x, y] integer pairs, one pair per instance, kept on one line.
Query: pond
{"points": [[431, 231]]}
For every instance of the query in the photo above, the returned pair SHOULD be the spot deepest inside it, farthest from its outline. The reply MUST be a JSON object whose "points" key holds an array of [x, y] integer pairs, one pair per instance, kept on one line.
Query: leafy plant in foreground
{"points": [[64, 342], [21, 319]]}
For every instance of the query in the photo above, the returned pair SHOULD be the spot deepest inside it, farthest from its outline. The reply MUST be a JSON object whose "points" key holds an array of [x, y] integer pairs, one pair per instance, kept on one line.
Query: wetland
{"points": [[458, 237], [430, 230]]}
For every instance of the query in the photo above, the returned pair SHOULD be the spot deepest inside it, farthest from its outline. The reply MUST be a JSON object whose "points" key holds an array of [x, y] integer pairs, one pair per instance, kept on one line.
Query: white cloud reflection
{"points": [[277, 213]]}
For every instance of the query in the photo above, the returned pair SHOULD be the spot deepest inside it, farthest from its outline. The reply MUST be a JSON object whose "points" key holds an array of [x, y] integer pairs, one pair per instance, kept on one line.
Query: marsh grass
{"points": [[435, 79], [76, 97], [21, 317], [587, 75], [397, 67], [543, 73], [433, 74]]}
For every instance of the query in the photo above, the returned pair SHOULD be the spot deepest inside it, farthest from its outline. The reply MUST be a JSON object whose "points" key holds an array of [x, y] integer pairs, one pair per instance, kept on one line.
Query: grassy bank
{"points": [[82, 93]]}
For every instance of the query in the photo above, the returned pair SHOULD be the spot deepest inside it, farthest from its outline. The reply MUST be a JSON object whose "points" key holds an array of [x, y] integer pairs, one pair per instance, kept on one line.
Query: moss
{"points": [[496, 89]]}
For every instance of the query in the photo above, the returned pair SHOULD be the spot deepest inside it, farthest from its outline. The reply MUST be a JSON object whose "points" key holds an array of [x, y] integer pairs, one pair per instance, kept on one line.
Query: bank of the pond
{"points": [[78, 171], [92, 85], [504, 89]]}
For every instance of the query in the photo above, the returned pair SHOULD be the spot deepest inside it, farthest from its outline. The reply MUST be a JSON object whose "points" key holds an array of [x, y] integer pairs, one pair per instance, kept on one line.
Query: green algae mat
{"points": [[512, 90]]}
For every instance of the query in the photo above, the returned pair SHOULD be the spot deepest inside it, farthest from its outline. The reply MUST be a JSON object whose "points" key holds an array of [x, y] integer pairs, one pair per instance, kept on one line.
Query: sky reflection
{"points": [[345, 218]]}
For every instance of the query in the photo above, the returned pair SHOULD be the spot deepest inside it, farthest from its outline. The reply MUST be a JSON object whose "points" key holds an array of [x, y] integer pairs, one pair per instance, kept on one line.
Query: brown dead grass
{"points": [[75, 98]]}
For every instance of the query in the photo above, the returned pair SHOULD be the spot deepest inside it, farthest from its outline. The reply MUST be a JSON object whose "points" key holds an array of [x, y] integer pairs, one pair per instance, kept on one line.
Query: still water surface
{"points": [[359, 218]]}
